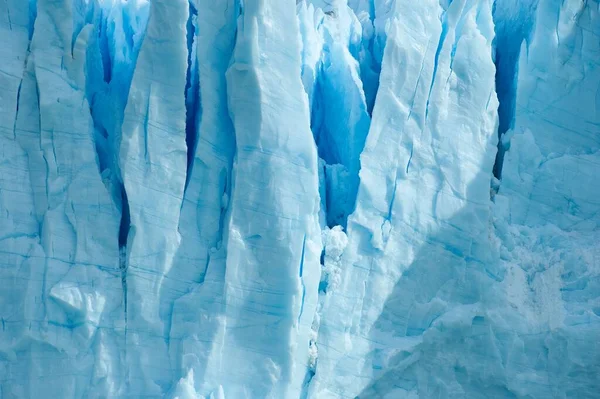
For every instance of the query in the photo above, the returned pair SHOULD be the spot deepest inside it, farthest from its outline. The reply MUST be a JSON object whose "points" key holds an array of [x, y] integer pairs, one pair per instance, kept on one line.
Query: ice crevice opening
{"points": [[192, 90], [340, 79], [343, 45], [513, 23], [32, 17], [106, 84], [119, 28]]}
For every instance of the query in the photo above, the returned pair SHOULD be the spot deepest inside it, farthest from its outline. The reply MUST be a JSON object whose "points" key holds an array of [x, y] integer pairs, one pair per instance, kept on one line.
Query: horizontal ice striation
{"points": [[171, 170]]}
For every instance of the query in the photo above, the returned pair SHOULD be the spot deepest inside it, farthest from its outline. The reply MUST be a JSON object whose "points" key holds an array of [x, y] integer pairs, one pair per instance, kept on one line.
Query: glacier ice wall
{"points": [[310, 199], [547, 206]]}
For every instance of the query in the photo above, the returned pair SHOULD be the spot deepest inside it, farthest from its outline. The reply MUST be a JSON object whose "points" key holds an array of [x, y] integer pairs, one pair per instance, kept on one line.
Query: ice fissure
{"points": [[110, 61], [279, 199], [339, 119], [192, 89], [513, 21]]}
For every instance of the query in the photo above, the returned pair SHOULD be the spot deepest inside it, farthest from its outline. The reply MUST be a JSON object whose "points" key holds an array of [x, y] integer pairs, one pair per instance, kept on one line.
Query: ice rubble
{"points": [[285, 199]]}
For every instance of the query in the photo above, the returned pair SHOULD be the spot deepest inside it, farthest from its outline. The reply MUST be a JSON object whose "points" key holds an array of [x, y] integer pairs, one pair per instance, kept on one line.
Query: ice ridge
{"points": [[309, 199]]}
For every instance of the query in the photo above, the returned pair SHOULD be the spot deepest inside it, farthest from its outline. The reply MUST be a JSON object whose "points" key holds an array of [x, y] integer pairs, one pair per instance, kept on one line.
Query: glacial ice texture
{"points": [[299, 199]]}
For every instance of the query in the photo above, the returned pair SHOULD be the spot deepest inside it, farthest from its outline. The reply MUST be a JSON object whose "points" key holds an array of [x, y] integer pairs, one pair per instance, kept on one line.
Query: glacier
{"points": [[299, 199]]}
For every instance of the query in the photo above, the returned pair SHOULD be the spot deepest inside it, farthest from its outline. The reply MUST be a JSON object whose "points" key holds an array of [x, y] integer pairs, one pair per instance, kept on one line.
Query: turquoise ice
{"points": [[299, 199]]}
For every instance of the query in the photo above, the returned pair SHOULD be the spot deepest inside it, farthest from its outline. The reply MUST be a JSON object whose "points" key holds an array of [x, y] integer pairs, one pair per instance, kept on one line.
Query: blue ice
{"points": [[299, 199]]}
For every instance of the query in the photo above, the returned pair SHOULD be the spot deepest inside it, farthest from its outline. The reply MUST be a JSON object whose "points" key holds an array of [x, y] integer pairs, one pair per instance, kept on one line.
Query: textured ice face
{"points": [[310, 199]]}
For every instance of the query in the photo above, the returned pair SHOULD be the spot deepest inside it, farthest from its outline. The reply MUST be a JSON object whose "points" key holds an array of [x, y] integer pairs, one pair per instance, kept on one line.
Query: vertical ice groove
{"points": [[193, 289], [340, 112], [513, 21], [170, 168], [192, 90], [74, 254], [432, 111], [19, 233], [300, 271], [369, 69], [345, 33], [32, 16], [17, 108], [110, 61], [152, 160], [268, 358], [196, 282], [124, 227], [441, 40], [169, 292]]}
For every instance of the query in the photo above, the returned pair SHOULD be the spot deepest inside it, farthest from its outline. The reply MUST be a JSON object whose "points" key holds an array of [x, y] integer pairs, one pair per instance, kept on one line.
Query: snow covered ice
{"points": [[319, 199]]}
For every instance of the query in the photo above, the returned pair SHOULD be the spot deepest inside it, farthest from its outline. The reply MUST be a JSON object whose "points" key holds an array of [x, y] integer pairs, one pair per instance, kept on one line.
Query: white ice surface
{"points": [[294, 199]]}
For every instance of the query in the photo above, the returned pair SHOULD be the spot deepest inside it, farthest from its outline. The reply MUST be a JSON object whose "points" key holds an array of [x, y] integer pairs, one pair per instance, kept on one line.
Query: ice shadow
{"points": [[434, 337]]}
